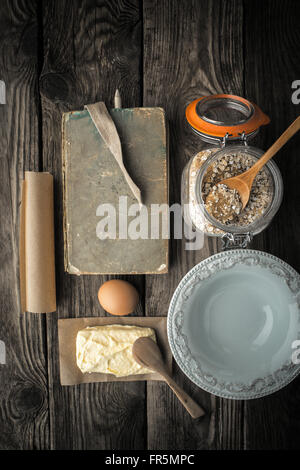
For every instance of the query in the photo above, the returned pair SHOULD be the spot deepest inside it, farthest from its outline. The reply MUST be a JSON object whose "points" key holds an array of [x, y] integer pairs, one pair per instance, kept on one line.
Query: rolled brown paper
{"points": [[37, 258]]}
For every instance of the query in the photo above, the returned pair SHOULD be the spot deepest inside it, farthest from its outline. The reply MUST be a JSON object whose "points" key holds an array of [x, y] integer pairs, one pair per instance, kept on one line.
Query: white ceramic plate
{"points": [[232, 322]]}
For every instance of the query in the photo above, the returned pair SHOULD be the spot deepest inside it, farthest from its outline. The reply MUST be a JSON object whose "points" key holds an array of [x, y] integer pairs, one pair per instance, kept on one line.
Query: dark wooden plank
{"points": [[272, 63], [91, 47], [24, 419], [191, 48]]}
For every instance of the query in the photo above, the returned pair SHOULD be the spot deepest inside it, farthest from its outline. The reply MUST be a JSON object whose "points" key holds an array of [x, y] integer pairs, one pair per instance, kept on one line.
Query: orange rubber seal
{"points": [[208, 127]]}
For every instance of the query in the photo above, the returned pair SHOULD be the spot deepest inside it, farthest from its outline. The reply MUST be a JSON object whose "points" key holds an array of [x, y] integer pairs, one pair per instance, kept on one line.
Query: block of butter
{"points": [[108, 349]]}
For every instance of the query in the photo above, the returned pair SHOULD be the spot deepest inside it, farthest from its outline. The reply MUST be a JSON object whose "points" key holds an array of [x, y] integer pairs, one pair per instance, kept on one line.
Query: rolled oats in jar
{"points": [[229, 156]]}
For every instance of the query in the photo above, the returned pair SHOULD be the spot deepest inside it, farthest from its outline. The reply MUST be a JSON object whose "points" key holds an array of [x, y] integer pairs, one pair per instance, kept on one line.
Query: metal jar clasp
{"points": [[237, 240]]}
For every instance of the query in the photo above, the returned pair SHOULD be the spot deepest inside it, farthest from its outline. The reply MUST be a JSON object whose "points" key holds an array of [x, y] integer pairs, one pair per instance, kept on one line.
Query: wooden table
{"points": [[58, 55]]}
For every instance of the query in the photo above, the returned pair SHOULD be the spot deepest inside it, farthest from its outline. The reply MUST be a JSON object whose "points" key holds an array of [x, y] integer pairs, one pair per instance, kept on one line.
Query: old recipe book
{"points": [[104, 232]]}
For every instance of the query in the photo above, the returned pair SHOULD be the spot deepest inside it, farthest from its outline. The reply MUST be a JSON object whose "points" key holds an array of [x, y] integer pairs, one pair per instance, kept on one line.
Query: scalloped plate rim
{"points": [[171, 317]]}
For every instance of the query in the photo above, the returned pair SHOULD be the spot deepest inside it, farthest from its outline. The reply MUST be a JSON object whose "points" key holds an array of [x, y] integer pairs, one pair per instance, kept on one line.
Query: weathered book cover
{"points": [[97, 198]]}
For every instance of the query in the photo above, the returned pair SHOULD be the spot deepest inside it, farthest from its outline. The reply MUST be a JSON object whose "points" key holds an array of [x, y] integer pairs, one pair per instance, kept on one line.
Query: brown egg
{"points": [[118, 297]]}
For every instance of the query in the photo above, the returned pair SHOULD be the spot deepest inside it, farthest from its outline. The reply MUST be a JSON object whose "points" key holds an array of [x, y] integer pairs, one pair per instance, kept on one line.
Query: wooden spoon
{"points": [[243, 182], [146, 353]]}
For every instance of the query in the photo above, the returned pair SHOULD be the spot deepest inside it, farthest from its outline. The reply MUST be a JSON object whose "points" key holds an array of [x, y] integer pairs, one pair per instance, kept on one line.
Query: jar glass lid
{"points": [[216, 117]]}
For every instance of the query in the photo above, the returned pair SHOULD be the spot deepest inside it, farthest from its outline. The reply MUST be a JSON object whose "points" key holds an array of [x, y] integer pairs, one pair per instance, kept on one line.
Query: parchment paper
{"points": [[37, 259], [70, 374]]}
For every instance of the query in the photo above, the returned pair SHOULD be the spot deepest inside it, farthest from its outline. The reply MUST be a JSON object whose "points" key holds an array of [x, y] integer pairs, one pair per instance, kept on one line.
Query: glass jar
{"points": [[228, 122]]}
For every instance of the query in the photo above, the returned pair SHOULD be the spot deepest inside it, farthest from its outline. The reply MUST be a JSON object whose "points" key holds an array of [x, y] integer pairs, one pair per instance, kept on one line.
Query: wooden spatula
{"points": [[146, 352]]}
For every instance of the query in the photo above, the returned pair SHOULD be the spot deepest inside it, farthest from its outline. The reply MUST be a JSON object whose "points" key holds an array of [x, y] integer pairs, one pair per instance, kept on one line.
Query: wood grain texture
{"points": [[23, 393], [272, 63], [91, 48], [197, 48], [158, 53]]}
